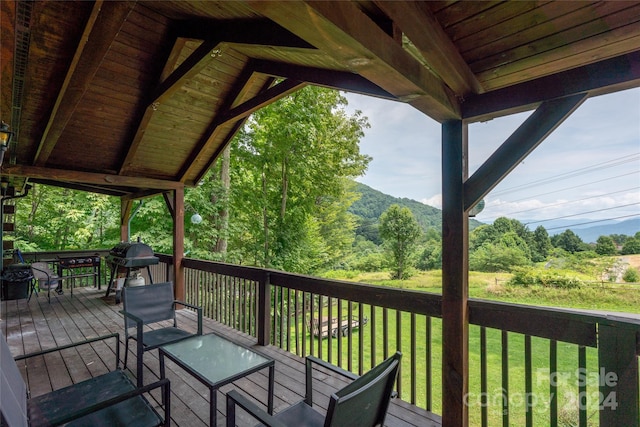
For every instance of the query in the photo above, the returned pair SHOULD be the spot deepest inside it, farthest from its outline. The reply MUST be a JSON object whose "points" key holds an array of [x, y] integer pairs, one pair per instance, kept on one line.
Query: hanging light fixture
{"points": [[5, 139]]}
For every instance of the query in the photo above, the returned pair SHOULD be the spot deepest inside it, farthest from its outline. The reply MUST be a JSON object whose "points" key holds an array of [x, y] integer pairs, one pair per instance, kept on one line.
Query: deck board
{"points": [[36, 325]]}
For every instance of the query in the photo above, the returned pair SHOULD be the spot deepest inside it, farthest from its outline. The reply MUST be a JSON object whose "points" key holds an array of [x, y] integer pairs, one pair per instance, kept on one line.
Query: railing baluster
{"points": [[320, 324], [360, 339], [296, 320], [414, 356], [428, 363], [483, 378], [385, 333], [339, 336], [330, 332], [582, 386], [505, 379], [399, 347], [553, 383], [528, 381], [350, 338], [311, 323], [372, 328]]}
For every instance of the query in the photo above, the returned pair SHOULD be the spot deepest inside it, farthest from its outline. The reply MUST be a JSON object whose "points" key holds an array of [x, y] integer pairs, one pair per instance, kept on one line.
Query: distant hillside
{"points": [[373, 203], [590, 235]]}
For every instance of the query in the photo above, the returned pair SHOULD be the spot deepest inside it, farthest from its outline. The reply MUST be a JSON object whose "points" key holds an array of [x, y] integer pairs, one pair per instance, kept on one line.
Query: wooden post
{"points": [[178, 243], [618, 376], [125, 214], [455, 276], [264, 309]]}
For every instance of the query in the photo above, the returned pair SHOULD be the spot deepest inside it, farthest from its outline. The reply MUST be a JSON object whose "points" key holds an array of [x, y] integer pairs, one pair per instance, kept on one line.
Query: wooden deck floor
{"points": [[35, 325]]}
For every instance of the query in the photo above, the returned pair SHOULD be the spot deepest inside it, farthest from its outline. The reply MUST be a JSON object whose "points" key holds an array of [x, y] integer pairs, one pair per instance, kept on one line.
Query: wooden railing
{"points": [[529, 365]]}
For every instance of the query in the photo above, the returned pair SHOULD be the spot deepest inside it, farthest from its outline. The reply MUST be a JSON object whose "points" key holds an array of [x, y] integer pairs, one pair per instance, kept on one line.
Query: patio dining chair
{"points": [[109, 399], [144, 305], [46, 279], [362, 403]]}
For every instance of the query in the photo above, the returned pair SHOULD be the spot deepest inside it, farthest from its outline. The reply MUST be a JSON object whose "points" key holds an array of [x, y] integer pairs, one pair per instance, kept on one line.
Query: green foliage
{"points": [[569, 241], [631, 275], [631, 246], [290, 187], [497, 258], [547, 279], [605, 246], [52, 218], [400, 231]]}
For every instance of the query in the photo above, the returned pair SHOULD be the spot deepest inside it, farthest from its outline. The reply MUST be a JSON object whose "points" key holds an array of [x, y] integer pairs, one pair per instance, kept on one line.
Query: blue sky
{"points": [[588, 169]]}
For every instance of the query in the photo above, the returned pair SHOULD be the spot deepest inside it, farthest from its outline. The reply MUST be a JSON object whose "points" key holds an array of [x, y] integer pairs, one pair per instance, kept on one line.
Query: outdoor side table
{"points": [[215, 361]]}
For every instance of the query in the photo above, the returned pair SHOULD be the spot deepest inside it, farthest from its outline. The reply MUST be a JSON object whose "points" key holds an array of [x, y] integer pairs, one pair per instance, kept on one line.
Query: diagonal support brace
{"points": [[547, 117]]}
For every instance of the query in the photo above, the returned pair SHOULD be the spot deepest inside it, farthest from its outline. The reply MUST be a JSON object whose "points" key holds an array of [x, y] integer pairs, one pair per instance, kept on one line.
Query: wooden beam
{"points": [[343, 31], [109, 191], [246, 31], [423, 29], [239, 112], [340, 80], [173, 81], [620, 73], [518, 146], [455, 276], [108, 180], [102, 27]]}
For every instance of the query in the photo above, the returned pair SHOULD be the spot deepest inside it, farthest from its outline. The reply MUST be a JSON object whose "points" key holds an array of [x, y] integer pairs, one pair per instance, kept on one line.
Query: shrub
{"points": [[547, 279], [631, 275]]}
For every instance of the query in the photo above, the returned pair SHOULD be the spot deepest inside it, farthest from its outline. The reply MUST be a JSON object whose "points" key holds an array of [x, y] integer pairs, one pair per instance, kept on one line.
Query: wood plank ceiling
{"points": [[134, 98]]}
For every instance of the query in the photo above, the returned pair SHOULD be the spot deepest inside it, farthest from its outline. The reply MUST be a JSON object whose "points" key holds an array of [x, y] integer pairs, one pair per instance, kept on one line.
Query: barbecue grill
{"points": [[126, 257], [132, 254]]}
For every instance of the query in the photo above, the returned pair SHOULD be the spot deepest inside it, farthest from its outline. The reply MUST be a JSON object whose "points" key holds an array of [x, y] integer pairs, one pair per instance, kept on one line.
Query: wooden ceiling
{"points": [[134, 98]]}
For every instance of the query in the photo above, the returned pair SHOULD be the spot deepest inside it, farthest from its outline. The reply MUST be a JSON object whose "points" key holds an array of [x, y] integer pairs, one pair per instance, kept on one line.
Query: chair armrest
{"points": [[76, 344], [164, 383], [332, 367], [198, 311], [132, 317], [234, 398], [309, 360]]}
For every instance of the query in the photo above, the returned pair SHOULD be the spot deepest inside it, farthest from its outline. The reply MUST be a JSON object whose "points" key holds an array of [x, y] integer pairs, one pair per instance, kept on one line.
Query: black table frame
{"points": [[213, 387]]}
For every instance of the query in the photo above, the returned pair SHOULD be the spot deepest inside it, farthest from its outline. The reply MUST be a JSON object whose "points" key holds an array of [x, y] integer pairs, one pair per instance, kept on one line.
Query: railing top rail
{"points": [[562, 324]]}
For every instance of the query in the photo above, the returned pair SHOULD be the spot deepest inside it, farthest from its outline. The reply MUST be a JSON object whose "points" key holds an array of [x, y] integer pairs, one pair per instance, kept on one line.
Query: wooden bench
{"points": [[105, 400]]}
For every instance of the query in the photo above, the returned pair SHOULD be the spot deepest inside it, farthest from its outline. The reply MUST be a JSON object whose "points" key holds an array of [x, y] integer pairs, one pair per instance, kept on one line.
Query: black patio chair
{"points": [[148, 304], [109, 399], [362, 403]]}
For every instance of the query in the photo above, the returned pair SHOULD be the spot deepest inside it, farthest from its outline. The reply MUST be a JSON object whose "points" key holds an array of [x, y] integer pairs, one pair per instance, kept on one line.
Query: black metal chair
{"points": [[110, 399], [148, 304], [362, 403]]}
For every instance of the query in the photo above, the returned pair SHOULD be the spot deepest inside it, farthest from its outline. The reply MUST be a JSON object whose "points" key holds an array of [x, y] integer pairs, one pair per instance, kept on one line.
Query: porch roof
{"points": [[135, 98]]}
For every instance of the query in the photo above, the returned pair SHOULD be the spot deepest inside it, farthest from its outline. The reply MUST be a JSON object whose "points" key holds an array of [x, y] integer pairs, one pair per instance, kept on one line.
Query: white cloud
{"points": [[572, 165]]}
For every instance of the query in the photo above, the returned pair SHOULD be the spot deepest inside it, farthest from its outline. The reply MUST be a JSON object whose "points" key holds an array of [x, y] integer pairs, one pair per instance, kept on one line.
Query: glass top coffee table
{"points": [[215, 361]]}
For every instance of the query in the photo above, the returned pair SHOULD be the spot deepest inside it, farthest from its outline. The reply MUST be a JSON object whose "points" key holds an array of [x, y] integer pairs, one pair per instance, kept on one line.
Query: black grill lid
{"points": [[132, 254]]}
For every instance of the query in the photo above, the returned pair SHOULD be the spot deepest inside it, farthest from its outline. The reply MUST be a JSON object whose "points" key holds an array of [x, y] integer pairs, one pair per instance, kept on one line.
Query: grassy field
{"points": [[491, 286]]}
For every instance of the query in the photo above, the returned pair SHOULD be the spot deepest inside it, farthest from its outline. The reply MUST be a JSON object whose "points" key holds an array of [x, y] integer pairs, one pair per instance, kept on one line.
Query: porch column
{"points": [[178, 243], [125, 214], [455, 276]]}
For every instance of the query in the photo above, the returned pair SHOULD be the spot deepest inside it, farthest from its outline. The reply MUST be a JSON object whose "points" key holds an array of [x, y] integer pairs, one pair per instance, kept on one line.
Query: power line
{"points": [[592, 222], [583, 213], [587, 169], [567, 202]]}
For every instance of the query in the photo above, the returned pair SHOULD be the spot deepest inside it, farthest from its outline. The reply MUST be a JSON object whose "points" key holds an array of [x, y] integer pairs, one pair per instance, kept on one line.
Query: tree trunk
{"points": [[221, 242]]}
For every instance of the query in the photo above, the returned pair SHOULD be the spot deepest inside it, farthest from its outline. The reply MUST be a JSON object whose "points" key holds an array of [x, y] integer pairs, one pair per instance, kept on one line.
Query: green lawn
{"points": [[488, 286]]}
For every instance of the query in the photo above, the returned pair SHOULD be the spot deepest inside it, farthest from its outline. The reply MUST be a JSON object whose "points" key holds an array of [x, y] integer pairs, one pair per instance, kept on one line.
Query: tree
{"points": [[631, 245], [567, 240], [289, 189], [605, 246], [540, 245], [400, 232]]}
